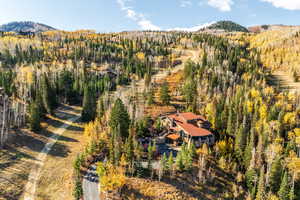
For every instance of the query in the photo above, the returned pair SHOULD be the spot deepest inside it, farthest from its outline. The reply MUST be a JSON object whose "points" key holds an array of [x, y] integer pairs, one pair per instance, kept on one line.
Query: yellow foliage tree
{"points": [[140, 56], [211, 114], [290, 118], [112, 178], [263, 111]]}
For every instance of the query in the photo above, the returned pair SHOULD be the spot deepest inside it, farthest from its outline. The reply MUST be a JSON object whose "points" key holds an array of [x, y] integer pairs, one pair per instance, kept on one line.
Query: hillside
{"points": [[262, 28], [279, 47], [228, 26], [25, 26], [161, 115]]}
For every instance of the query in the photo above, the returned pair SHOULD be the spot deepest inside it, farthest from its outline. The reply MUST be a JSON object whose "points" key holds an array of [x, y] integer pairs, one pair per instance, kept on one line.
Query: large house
{"points": [[189, 127]]}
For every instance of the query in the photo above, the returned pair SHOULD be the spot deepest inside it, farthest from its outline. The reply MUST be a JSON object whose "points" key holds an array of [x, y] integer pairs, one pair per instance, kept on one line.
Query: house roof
{"points": [[173, 136], [188, 116], [191, 129]]}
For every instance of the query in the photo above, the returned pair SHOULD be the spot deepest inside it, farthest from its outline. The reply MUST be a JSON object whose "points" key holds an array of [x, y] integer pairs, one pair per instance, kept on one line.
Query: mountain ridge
{"points": [[25, 26], [228, 26]]}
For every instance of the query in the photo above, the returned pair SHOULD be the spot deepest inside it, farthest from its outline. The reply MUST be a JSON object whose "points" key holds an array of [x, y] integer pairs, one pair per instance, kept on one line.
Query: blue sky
{"points": [[121, 15]]}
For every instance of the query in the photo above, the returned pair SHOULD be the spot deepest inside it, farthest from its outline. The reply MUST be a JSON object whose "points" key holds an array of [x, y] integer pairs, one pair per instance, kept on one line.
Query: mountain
{"points": [[25, 26], [227, 26]]}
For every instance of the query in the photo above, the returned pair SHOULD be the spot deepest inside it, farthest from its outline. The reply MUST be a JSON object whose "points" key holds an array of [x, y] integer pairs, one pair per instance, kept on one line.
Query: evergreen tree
{"points": [[275, 175], [179, 161], [48, 95], [229, 129], [240, 140], [150, 97], [100, 108], [117, 145], [119, 118], [170, 161], [34, 119], [249, 148], [129, 148], [150, 155], [164, 94], [164, 162], [190, 93], [204, 59], [292, 195], [78, 192], [251, 177], [88, 107], [189, 70], [111, 147], [65, 83], [284, 190], [261, 190]]}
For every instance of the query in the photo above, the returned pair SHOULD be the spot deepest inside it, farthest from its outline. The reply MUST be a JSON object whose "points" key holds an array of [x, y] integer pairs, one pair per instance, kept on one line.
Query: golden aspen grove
{"points": [[173, 115]]}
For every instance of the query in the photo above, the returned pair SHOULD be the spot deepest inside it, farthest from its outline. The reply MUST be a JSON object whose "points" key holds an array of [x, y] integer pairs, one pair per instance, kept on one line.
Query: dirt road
{"points": [[68, 117]]}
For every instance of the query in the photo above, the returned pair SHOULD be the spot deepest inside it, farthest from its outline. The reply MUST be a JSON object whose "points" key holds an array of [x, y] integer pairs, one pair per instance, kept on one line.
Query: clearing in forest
{"points": [[24, 159], [284, 81]]}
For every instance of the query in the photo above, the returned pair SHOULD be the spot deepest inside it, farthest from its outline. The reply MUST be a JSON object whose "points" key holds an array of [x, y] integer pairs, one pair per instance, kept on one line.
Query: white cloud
{"points": [[192, 29], [185, 3], [139, 18], [222, 5], [286, 4], [147, 25], [131, 14]]}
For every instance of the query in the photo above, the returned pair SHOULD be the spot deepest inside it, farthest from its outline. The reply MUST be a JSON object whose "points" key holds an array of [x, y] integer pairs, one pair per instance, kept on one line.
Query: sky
{"points": [[124, 15]]}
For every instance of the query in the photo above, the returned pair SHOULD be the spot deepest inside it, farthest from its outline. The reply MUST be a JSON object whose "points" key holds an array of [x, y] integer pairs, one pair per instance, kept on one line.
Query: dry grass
{"points": [[137, 188], [15, 163], [16, 160], [56, 176], [184, 186], [173, 81]]}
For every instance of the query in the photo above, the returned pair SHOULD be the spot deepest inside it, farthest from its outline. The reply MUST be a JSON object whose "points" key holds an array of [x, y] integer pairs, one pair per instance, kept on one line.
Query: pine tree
{"points": [[251, 177], [119, 117], [284, 190], [88, 106], [164, 162], [204, 59], [179, 161], [48, 95], [275, 175], [150, 97], [170, 162], [229, 129], [240, 140], [164, 94], [261, 190], [190, 93], [111, 147], [150, 155], [117, 145], [292, 195], [34, 119], [249, 148], [129, 148], [78, 192], [100, 108]]}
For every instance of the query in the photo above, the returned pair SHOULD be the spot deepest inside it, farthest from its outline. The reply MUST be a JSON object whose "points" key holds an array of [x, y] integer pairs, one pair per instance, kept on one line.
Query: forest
{"points": [[256, 125]]}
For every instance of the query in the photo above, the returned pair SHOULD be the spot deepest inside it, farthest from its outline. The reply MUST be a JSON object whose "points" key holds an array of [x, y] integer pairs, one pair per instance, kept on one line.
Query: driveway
{"points": [[90, 185]]}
